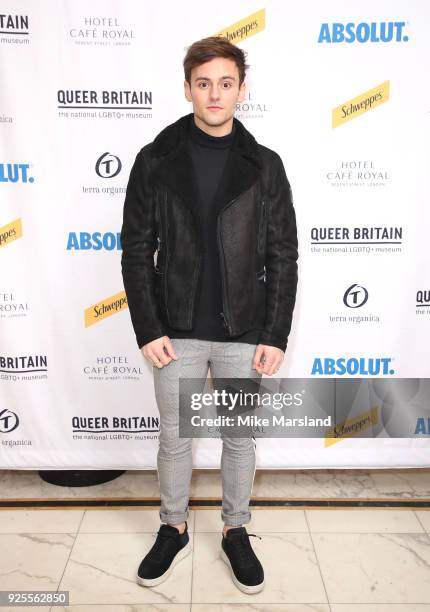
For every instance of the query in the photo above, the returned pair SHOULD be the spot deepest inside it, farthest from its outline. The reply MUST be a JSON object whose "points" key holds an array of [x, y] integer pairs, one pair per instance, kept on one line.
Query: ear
{"points": [[242, 92], [187, 91]]}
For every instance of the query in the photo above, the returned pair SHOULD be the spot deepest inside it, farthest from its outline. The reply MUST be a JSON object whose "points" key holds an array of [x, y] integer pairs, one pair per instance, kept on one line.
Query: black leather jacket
{"points": [[256, 235]]}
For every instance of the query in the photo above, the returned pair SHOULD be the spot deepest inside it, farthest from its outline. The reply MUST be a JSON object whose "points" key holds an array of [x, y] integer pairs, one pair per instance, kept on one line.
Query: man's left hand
{"points": [[267, 359]]}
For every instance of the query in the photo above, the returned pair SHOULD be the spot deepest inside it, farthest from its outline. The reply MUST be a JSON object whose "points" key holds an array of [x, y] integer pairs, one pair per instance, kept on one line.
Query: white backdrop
{"points": [[70, 367]]}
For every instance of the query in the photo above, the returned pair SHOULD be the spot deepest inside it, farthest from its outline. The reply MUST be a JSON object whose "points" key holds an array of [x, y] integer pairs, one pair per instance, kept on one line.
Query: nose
{"points": [[214, 92]]}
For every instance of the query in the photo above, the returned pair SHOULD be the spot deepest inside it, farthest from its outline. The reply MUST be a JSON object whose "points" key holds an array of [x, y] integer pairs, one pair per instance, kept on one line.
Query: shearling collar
{"points": [[174, 168], [172, 136]]}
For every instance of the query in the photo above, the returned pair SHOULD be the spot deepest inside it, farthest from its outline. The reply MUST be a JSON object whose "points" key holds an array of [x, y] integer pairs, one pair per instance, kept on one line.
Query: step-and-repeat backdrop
{"points": [[341, 91]]}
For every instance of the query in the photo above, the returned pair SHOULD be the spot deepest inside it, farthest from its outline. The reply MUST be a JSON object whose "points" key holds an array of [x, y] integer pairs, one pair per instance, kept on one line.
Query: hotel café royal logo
{"points": [[101, 30], [14, 29], [105, 308], [357, 173], [112, 367], [361, 104], [250, 108], [109, 367], [11, 307]]}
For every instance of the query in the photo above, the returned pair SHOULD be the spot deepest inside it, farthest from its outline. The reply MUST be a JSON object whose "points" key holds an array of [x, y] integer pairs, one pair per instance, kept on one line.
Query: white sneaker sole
{"points": [[242, 587], [149, 582]]}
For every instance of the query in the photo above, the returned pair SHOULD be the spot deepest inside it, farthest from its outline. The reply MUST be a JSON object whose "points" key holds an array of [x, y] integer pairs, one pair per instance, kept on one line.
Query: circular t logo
{"points": [[355, 296]]}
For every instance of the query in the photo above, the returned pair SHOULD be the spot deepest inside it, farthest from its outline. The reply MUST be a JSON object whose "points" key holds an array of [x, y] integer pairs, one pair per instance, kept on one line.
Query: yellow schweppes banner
{"points": [[352, 427], [10, 232], [245, 27], [105, 308], [361, 104]]}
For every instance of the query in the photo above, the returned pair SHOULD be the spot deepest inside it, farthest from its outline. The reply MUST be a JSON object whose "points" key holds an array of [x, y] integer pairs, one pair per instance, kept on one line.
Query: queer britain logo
{"points": [[105, 308], [361, 104], [363, 32], [245, 27]]}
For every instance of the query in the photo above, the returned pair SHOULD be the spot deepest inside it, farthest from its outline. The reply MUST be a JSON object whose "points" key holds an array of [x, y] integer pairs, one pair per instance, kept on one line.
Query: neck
{"points": [[214, 130]]}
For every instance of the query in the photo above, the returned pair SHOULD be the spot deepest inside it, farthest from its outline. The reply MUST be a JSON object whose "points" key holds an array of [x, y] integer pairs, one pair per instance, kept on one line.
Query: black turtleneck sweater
{"points": [[210, 155]]}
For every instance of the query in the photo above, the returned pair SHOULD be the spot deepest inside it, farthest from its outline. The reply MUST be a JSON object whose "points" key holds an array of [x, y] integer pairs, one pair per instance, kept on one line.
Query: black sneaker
{"points": [[168, 549], [246, 570]]}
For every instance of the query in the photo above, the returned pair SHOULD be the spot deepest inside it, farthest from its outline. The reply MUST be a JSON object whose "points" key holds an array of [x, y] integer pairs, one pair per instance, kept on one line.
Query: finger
{"points": [[169, 348], [274, 369], [257, 357], [159, 353], [268, 365], [154, 359]]}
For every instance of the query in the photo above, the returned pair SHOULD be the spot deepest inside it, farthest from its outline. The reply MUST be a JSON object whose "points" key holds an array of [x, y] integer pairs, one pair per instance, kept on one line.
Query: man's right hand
{"points": [[159, 352]]}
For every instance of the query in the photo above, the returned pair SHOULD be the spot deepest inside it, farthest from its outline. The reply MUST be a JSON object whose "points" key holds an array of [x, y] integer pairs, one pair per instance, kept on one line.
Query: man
{"points": [[217, 208]]}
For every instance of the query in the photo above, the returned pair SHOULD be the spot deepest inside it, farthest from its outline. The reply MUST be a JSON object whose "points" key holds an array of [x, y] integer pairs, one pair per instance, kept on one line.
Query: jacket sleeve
{"points": [[281, 260], [138, 241]]}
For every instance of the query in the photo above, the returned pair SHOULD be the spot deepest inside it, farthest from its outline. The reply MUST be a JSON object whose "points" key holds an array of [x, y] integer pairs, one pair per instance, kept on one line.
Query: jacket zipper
{"points": [[225, 315], [261, 226], [166, 258], [196, 281]]}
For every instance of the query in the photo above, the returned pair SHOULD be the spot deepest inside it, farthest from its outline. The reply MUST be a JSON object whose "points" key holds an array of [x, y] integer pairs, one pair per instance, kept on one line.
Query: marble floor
{"points": [[355, 559], [330, 484]]}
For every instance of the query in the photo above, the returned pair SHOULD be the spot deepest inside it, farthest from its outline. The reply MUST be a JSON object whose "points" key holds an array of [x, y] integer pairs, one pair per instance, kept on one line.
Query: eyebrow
{"points": [[208, 79]]}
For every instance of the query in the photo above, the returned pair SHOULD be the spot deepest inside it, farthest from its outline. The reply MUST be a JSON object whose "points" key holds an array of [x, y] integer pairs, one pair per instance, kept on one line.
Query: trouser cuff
{"points": [[174, 519], [236, 519]]}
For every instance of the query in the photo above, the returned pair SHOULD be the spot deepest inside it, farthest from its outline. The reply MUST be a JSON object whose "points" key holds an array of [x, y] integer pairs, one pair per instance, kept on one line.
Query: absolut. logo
{"points": [[15, 173], [352, 366], [363, 32], [94, 241]]}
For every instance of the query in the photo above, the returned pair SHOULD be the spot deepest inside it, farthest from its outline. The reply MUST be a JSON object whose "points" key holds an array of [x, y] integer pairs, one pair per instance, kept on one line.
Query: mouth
{"points": [[215, 107]]}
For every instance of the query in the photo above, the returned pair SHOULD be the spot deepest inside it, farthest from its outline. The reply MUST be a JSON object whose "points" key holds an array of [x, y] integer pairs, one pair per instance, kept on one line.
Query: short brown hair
{"points": [[214, 46]]}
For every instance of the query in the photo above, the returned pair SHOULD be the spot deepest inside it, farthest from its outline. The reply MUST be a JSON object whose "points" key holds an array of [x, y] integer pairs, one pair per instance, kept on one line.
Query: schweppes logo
{"points": [[245, 27], [10, 232], [352, 427], [105, 308], [361, 104]]}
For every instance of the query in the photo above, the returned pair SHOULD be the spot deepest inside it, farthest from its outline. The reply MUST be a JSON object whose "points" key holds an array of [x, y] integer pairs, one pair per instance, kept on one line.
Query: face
{"points": [[214, 92]]}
